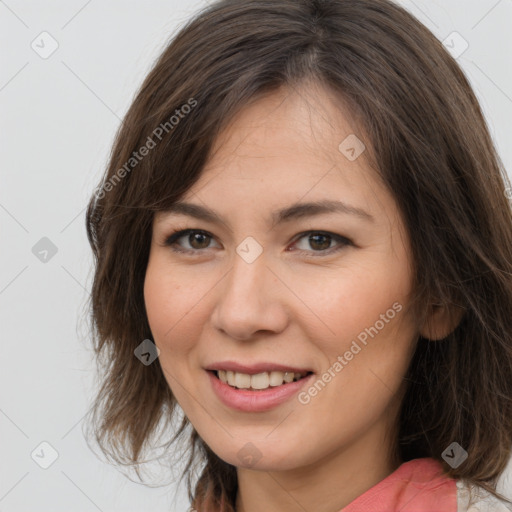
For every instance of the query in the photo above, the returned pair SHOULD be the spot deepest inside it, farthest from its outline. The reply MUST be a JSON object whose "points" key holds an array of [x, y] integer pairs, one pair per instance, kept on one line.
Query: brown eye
{"points": [[320, 243], [196, 239], [317, 243]]}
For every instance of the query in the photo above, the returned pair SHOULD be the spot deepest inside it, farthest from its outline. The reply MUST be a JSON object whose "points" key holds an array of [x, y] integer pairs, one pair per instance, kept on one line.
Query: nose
{"points": [[249, 301]]}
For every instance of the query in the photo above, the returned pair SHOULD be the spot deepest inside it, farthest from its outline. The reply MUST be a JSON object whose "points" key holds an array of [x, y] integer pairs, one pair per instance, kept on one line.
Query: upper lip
{"points": [[252, 369]]}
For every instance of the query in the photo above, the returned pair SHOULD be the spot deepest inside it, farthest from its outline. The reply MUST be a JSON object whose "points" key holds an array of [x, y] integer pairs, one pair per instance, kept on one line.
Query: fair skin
{"points": [[301, 303]]}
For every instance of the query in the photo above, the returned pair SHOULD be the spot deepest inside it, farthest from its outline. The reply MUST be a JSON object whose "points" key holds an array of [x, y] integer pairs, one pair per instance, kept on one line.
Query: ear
{"points": [[441, 320]]}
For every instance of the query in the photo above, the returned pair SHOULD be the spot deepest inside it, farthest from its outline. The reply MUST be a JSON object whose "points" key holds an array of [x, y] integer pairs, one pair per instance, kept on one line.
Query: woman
{"points": [[304, 243]]}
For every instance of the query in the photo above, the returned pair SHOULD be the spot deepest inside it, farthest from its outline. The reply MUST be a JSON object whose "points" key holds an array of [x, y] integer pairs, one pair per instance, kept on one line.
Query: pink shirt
{"points": [[420, 486], [415, 486]]}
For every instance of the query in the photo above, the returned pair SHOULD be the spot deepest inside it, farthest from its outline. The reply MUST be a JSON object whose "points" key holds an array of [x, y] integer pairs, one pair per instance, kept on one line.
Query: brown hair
{"points": [[429, 142]]}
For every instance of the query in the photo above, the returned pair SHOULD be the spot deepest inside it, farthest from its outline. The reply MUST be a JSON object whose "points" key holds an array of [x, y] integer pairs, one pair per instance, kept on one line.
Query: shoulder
{"points": [[473, 498]]}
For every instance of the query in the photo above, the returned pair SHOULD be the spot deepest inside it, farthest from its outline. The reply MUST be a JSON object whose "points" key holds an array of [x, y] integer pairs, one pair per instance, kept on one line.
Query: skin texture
{"points": [[298, 303]]}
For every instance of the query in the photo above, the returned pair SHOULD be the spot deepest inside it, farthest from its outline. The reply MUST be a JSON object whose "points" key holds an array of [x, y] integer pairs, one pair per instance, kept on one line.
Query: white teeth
{"points": [[262, 380], [288, 376], [276, 378], [242, 380]]}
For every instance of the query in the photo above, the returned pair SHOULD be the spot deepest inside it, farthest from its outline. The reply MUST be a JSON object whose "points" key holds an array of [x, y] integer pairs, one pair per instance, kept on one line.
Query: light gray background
{"points": [[58, 118]]}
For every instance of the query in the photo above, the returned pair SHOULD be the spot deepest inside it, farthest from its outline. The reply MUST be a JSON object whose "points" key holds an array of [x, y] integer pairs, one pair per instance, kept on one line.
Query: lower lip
{"points": [[255, 401]]}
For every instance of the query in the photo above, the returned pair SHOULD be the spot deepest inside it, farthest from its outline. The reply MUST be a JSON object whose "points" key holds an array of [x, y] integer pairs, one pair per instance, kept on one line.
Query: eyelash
{"points": [[171, 240]]}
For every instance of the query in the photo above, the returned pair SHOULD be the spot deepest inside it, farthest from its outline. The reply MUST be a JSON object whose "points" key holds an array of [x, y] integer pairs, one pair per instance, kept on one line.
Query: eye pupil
{"points": [[193, 238], [322, 246]]}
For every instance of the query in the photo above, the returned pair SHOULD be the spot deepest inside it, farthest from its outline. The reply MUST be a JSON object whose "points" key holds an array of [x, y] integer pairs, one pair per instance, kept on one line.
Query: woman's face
{"points": [[301, 262]]}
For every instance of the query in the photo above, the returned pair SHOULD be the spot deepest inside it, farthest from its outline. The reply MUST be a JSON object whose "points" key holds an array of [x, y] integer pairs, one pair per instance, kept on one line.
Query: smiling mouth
{"points": [[259, 381]]}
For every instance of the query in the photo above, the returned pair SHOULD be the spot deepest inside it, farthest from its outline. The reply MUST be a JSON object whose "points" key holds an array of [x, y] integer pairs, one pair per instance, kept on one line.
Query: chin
{"points": [[260, 455]]}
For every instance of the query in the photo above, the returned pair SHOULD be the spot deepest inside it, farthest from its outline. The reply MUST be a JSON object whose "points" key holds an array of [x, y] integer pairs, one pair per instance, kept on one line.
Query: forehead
{"points": [[287, 146], [308, 119]]}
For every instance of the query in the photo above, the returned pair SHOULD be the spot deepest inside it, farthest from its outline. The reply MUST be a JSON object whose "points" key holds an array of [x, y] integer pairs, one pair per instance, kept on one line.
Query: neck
{"points": [[327, 485]]}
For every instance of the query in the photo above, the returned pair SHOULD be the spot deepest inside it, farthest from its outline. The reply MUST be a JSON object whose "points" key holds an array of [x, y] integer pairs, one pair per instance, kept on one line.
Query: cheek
{"points": [[377, 333], [157, 301], [166, 304], [174, 303], [345, 302], [165, 301]]}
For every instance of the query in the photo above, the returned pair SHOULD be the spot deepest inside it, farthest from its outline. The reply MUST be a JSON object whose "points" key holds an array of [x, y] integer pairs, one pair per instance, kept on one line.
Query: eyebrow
{"points": [[294, 211]]}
